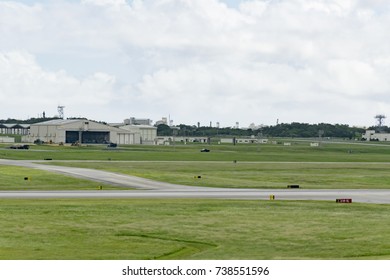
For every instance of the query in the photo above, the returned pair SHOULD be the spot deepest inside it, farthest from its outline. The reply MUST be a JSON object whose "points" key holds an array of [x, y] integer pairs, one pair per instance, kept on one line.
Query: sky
{"points": [[256, 62]]}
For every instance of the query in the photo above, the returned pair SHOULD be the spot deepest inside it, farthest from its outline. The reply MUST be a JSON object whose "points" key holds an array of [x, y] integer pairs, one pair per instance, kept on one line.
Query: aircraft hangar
{"points": [[79, 130]]}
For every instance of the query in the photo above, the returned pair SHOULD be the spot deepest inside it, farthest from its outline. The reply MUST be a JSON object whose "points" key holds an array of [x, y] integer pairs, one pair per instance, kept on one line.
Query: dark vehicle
{"points": [[20, 147], [112, 145], [205, 150]]}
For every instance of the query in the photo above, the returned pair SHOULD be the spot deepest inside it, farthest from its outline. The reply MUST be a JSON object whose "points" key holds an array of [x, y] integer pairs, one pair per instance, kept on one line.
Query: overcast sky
{"points": [[226, 61]]}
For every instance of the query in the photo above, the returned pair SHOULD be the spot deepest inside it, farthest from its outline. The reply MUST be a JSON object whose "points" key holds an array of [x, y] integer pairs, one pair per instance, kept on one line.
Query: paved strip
{"points": [[365, 196], [95, 175], [153, 189]]}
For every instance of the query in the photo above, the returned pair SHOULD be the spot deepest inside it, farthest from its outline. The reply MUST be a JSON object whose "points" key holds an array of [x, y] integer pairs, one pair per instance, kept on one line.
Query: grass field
{"points": [[192, 229], [204, 228], [318, 175], [352, 165], [14, 178], [297, 152]]}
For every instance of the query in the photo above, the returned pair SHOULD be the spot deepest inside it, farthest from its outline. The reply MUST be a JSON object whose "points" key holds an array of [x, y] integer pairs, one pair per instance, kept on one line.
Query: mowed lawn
{"points": [[312, 175], [297, 152], [202, 228], [332, 165], [15, 178], [191, 229]]}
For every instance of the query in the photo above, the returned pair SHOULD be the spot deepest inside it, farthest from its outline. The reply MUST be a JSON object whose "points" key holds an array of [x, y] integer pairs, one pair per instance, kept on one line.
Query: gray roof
{"points": [[59, 122], [14, 125]]}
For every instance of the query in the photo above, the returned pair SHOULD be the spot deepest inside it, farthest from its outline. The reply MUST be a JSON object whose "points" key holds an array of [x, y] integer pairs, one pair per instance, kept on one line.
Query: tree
{"points": [[164, 130]]}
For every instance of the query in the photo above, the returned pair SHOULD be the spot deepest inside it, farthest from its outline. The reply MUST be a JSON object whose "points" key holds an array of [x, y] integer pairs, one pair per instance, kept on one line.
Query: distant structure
{"points": [[60, 110], [135, 121], [163, 120], [380, 119], [14, 128], [170, 121], [372, 135], [253, 126]]}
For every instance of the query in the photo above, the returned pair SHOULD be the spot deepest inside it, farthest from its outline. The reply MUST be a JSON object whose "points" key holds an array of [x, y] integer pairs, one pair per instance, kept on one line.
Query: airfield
{"points": [[140, 202], [144, 188]]}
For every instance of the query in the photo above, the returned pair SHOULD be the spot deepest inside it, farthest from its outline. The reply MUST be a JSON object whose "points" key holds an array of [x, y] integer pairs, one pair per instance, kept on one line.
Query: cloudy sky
{"points": [[226, 61]]}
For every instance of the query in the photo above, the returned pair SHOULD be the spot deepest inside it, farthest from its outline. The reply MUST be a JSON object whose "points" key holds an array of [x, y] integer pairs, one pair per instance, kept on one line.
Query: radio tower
{"points": [[380, 119], [60, 110]]}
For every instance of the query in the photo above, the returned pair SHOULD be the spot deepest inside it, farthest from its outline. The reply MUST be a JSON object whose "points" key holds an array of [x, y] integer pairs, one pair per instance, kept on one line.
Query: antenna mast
{"points": [[380, 119], [60, 110]]}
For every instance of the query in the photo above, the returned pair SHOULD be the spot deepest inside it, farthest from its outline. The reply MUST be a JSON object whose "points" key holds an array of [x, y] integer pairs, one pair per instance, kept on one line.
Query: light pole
{"points": [[259, 137]]}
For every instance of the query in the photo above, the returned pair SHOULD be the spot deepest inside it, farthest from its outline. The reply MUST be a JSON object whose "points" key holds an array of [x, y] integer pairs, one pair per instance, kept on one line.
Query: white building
{"points": [[244, 140], [135, 121], [371, 135], [16, 129], [81, 131], [6, 139], [167, 140], [164, 120], [145, 134]]}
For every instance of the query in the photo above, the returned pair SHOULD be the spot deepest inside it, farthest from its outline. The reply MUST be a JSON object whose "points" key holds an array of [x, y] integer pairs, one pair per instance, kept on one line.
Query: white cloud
{"points": [[28, 88], [356, 78], [297, 60], [105, 2]]}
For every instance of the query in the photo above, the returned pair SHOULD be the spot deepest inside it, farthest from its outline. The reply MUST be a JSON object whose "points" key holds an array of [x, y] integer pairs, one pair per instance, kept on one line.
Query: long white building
{"points": [[371, 135], [84, 132]]}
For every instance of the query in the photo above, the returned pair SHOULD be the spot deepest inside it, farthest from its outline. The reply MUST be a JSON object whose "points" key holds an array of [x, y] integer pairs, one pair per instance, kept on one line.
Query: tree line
{"points": [[28, 121], [293, 130]]}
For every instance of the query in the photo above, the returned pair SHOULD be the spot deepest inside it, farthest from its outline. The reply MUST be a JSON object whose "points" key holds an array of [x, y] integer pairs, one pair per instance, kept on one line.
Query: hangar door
{"points": [[125, 138], [88, 137]]}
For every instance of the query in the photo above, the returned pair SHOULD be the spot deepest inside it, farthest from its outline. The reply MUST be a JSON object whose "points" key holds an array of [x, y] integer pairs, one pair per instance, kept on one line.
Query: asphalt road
{"points": [[145, 188]]}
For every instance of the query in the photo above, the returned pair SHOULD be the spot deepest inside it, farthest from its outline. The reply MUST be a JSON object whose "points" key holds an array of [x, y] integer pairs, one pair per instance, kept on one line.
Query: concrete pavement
{"points": [[152, 189]]}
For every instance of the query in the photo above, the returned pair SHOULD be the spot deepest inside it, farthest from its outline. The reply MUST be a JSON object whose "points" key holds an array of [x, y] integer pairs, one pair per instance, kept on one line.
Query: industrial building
{"points": [[137, 121], [371, 135], [84, 132], [244, 140], [145, 134], [168, 140], [15, 128], [6, 139]]}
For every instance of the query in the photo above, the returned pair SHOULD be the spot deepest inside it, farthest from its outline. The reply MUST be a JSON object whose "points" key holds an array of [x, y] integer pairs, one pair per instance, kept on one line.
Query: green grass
{"points": [[298, 152], [199, 229], [258, 166], [319, 175], [334, 166], [14, 178], [191, 229]]}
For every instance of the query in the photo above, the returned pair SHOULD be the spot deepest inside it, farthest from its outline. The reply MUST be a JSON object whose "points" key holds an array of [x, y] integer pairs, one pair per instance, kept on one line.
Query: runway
{"points": [[145, 188]]}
